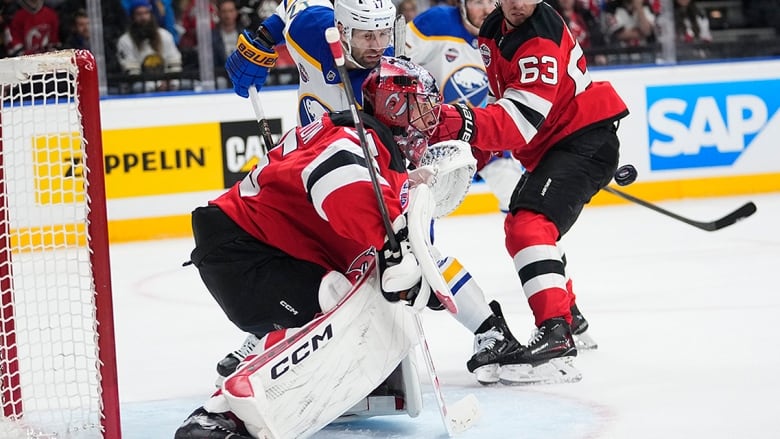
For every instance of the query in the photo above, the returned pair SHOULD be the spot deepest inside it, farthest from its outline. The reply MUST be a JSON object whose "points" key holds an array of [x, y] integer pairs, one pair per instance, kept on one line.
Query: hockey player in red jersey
{"points": [[562, 126], [308, 209]]}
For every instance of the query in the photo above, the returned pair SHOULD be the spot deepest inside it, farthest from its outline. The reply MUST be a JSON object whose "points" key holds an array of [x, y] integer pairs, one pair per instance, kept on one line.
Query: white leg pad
{"points": [[306, 381]]}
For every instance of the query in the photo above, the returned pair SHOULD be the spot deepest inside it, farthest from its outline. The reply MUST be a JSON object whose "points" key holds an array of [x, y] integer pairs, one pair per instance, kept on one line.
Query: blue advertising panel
{"points": [[707, 125]]}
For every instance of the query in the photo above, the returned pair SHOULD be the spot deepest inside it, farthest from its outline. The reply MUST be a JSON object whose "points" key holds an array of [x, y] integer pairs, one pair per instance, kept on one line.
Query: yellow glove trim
{"points": [[255, 55]]}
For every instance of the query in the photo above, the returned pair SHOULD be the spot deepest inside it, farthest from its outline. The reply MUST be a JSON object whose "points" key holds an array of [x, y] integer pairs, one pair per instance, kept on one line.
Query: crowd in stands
{"points": [[156, 41]]}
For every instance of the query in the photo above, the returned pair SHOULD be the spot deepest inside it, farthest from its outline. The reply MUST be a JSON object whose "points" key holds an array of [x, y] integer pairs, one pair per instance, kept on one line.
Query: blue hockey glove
{"points": [[248, 65]]}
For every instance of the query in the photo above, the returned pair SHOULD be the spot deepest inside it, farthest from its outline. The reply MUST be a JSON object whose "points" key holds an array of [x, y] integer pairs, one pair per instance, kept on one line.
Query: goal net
{"points": [[57, 354]]}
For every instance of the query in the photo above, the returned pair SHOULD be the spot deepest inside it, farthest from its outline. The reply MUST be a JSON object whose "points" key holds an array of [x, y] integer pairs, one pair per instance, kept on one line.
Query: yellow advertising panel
{"points": [[58, 172], [162, 160]]}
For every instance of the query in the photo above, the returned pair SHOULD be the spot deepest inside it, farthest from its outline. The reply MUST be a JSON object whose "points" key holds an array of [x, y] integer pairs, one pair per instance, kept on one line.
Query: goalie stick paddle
{"points": [[463, 414], [741, 213]]}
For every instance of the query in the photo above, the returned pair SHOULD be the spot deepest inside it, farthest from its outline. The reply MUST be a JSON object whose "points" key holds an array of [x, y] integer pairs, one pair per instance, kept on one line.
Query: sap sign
{"points": [[707, 125]]}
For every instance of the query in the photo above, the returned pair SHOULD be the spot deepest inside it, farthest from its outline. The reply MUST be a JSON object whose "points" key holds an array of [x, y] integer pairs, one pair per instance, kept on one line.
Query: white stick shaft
{"points": [[254, 97]]}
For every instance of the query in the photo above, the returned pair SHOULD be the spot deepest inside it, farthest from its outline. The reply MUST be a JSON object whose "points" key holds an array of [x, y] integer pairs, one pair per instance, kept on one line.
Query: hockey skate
{"points": [[548, 358], [230, 363], [204, 425], [579, 329], [491, 347], [400, 394]]}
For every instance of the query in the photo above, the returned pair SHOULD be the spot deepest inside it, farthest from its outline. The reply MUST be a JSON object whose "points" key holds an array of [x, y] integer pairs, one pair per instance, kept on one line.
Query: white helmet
{"points": [[364, 14]]}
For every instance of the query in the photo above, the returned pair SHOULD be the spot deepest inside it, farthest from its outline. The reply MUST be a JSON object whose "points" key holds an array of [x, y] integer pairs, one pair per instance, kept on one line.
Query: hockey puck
{"points": [[625, 175]]}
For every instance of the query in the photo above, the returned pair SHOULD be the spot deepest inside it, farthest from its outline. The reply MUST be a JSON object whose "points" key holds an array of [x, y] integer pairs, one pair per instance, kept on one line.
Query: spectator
{"points": [[164, 13], [113, 18], [584, 27], [7, 10], [690, 23], [34, 28], [189, 38], [224, 37], [146, 47], [78, 37], [408, 8], [631, 24]]}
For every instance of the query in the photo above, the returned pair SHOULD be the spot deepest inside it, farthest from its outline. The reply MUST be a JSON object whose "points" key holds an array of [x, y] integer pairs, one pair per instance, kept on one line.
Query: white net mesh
{"points": [[49, 374]]}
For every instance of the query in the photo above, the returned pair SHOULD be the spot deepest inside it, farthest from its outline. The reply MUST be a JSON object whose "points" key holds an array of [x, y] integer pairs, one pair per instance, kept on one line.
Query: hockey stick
{"points": [[467, 409], [465, 412], [434, 277], [399, 36], [742, 212], [265, 129], [334, 41]]}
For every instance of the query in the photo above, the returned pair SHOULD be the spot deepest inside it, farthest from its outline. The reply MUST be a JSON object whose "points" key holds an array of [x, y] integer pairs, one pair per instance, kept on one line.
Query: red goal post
{"points": [[57, 354]]}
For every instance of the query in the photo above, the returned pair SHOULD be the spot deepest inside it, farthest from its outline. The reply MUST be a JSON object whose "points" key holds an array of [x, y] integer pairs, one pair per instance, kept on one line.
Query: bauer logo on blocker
{"points": [[708, 125]]}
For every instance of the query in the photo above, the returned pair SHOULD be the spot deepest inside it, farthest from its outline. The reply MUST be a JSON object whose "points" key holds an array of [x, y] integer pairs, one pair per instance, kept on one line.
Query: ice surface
{"points": [[684, 320]]}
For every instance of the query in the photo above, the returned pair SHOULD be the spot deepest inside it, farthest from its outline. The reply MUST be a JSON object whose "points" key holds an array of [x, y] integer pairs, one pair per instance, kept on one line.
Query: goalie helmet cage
{"points": [[57, 354]]}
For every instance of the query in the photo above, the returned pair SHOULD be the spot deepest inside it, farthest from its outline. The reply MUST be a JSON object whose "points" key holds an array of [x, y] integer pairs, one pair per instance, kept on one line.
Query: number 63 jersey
{"points": [[544, 92]]}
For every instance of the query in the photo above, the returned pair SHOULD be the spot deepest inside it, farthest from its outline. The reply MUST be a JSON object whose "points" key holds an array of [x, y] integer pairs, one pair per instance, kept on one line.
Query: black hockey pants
{"points": [[259, 287]]}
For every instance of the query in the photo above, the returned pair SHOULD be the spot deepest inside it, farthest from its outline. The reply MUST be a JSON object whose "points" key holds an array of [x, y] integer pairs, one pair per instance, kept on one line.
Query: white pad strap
{"points": [[333, 288]]}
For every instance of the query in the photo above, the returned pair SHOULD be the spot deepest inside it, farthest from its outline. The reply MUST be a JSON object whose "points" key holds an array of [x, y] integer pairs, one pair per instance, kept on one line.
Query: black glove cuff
{"points": [[262, 35], [468, 130]]}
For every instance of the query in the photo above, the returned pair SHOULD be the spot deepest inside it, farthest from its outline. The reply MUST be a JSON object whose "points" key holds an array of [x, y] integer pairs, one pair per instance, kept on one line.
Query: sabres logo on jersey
{"points": [[469, 85], [311, 109]]}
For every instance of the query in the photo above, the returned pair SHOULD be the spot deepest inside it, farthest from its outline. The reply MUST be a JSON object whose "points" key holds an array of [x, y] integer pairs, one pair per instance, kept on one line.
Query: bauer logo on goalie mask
{"points": [[403, 96]]}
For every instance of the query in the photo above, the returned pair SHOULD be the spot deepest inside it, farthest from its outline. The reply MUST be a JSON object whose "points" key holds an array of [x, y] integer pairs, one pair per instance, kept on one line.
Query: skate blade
{"points": [[585, 342], [488, 374], [557, 370]]}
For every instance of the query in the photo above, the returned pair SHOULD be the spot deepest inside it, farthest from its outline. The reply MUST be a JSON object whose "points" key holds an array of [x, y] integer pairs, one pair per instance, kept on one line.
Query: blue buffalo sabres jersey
{"points": [[320, 90], [438, 41]]}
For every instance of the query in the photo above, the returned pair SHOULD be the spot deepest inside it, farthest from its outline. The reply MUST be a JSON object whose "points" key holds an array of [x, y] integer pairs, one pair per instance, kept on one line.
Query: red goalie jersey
{"points": [[542, 85], [312, 197]]}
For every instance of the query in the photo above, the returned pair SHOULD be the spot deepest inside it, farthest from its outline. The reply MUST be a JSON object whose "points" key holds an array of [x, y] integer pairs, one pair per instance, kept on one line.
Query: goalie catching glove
{"points": [[454, 166]]}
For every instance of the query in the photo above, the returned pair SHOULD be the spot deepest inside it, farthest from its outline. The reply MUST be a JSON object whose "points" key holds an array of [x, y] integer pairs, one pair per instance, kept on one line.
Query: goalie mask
{"points": [[403, 96]]}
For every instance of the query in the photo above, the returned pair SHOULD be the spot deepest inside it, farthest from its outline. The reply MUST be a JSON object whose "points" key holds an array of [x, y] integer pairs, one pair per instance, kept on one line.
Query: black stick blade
{"points": [[743, 212]]}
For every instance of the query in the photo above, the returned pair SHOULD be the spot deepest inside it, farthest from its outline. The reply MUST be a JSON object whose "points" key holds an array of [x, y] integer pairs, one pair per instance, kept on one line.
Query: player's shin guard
{"points": [[473, 310]]}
